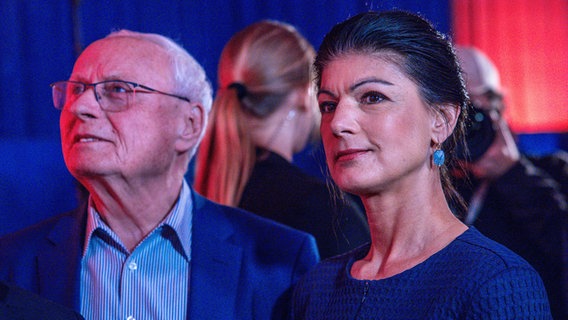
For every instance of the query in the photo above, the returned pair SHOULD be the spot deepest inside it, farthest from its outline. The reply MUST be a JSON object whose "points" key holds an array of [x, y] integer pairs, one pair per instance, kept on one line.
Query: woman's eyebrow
{"points": [[369, 80], [356, 85]]}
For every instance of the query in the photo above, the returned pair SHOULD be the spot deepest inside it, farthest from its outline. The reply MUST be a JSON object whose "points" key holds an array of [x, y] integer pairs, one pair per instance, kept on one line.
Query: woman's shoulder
{"points": [[473, 245], [474, 259], [499, 279]]}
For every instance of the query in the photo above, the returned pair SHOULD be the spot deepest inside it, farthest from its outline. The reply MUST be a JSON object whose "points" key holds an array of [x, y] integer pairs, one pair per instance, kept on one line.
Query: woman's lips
{"points": [[349, 154]]}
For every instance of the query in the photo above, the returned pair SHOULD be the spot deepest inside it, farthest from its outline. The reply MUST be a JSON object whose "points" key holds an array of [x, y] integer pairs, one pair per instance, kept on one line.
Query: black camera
{"points": [[479, 135]]}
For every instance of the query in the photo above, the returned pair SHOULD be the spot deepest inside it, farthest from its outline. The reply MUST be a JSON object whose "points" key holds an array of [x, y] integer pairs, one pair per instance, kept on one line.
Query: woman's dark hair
{"points": [[426, 57]]}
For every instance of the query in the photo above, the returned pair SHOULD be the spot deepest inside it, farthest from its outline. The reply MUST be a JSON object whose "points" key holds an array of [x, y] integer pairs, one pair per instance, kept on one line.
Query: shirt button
{"points": [[130, 318], [132, 266]]}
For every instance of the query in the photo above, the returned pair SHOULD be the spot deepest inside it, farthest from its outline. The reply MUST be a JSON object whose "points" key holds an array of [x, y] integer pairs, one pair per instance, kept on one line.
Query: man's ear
{"points": [[444, 121], [191, 128]]}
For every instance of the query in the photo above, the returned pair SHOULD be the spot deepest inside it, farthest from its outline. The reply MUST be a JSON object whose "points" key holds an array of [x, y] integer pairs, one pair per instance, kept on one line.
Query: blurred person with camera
{"points": [[517, 200]]}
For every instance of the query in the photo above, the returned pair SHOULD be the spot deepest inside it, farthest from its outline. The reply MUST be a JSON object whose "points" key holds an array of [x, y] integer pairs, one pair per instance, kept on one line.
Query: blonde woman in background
{"points": [[265, 111]]}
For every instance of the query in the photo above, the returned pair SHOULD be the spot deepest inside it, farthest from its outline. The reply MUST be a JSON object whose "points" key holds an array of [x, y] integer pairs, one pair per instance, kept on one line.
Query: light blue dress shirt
{"points": [[151, 282]]}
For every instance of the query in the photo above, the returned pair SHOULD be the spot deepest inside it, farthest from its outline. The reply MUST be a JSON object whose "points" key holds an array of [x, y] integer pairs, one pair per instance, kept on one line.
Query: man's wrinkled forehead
{"points": [[119, 57]]}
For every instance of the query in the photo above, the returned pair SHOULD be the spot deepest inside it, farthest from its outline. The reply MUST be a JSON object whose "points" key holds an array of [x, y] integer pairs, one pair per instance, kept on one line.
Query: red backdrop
{"points": [[528, 41]]}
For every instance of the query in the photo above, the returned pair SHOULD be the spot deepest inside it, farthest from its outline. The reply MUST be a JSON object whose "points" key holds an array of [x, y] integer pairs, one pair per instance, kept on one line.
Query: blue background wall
{"points": [[41, 39]]}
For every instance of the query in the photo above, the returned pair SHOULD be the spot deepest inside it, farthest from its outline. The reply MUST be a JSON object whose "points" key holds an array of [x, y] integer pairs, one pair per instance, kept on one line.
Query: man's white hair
{"points": [[190, 80]]}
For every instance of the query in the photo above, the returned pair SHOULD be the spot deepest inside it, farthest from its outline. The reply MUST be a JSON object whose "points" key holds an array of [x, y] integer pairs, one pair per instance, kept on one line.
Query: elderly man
{"points": [[517, 200], [144, 245]]}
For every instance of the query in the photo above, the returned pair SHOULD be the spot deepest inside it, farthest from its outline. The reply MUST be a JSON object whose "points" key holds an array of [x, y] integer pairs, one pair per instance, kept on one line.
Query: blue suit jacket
{"points": [[242, 266], [16, 303]]}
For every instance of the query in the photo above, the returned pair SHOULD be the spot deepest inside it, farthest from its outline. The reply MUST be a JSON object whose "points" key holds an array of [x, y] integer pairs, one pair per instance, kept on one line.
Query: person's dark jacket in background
{"points": [[280, 191]]}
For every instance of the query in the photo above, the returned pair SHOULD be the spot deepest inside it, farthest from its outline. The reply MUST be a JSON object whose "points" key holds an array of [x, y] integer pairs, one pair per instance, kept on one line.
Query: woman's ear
{"points": [[444, 121], [191, 128], [306, 98], [308, 103]]}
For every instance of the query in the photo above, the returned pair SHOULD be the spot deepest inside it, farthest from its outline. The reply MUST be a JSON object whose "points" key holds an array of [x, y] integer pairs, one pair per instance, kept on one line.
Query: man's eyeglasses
{"points": [[112, 95]]}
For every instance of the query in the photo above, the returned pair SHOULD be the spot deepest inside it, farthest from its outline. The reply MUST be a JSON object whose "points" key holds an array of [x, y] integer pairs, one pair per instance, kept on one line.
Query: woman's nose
{"points": [[343, 120]]}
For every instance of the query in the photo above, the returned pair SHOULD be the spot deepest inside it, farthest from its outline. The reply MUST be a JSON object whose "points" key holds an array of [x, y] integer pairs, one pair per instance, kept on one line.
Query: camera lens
{"points": [[479, 135]]}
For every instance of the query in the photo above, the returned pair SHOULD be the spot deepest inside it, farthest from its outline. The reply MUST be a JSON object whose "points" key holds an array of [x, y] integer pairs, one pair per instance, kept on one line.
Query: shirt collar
{"points": [[179, 219]]}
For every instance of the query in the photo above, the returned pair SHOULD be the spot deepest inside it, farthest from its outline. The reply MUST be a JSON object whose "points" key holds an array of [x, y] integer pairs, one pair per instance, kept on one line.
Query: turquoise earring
{"points": [[439, 157]]}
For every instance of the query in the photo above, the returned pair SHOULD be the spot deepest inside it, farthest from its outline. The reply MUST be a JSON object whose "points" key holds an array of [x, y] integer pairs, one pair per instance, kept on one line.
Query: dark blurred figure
{"points": [[517, 200], [19, 304]]}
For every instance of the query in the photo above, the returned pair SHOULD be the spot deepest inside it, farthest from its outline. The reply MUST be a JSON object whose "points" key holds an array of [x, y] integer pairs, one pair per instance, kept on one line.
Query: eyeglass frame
{"points": [[97, 98]]}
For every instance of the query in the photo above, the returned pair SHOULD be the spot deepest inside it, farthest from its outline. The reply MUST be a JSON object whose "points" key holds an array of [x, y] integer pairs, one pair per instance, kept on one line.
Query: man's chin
{"points": [[85, 171]]}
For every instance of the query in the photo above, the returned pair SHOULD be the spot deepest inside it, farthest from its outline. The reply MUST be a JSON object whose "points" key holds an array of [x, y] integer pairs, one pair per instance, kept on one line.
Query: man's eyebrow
{"points": [[110, 77]]}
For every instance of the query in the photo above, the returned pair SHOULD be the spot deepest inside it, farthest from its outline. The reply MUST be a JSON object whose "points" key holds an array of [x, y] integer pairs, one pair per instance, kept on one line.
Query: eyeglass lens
{"points": [[111, 95]]}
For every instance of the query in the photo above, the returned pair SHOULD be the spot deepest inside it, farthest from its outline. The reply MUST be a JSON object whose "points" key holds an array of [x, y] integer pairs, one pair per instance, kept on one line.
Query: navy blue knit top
{"points": [[471, 278]]}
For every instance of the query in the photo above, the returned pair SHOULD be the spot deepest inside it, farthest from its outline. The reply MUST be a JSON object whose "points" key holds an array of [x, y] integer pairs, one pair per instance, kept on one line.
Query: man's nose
{"points": [[86, 105]]}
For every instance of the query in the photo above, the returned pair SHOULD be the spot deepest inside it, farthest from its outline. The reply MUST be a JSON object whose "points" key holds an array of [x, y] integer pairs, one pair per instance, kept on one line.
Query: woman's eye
{"points": [[373, 97], [327, 107]]}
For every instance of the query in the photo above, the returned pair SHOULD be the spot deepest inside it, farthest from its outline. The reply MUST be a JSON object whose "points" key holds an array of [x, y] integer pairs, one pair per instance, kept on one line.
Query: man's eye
{"points": [[117, 88], [76, 89], [327, 107], [373, 97]]}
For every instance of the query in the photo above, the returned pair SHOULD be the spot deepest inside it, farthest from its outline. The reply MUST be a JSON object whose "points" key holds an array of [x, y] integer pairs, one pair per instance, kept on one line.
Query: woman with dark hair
{"points": [[392, 102], [264, 112]]}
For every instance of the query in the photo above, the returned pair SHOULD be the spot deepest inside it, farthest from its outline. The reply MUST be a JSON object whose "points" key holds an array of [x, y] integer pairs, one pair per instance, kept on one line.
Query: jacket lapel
{"points": [[215, 263], [59, 261]]}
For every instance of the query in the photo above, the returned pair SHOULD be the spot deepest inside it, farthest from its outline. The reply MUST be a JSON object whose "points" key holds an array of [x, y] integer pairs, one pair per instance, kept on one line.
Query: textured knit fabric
{"points": [[471, 278], [280, 191]]}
